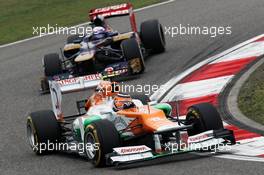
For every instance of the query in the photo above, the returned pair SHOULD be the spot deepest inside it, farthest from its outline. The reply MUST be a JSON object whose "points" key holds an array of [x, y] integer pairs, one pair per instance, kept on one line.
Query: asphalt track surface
{"points": [[20, 69]]}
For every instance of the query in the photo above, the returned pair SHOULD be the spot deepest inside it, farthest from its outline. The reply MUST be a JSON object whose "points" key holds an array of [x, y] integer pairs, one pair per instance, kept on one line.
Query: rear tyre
{"points": [[132, 52], [204, 117], [43, 129], [152, 36], [52, 64], [44, 84], [100, 138]]}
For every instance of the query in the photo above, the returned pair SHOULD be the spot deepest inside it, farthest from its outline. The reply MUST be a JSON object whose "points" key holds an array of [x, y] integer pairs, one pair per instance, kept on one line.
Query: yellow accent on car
{"points": [[71, 46], [122, 36], [84, 57]]}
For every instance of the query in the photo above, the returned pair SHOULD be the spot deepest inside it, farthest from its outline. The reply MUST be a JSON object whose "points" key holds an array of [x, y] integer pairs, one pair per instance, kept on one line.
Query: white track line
{"points": [[158, 95], [251, 50], [83, 24], [197, 89], [238, 157]]}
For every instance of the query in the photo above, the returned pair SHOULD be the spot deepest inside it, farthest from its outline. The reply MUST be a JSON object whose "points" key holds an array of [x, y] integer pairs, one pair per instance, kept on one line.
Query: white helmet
{"points": [[98, 30], [99, 33]]}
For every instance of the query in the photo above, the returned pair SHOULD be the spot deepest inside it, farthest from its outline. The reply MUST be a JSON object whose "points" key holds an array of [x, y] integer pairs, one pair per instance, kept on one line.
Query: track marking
{"points": [[172, 82], [238, 157], [203, 83], [196, 89], [252, 49]]}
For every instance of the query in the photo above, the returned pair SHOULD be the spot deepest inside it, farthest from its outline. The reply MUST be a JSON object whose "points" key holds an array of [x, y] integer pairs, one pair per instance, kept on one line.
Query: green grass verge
{"points": [[17, 17], [251, 96]]}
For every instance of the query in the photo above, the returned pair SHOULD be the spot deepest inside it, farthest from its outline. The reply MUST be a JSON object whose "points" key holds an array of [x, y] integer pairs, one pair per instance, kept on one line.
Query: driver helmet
{"points": [[98, 34], [122, 101]]}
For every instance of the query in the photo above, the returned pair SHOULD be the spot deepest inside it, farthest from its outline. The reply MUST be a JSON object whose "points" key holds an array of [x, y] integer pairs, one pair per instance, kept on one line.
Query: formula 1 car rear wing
{"points": [[79, 83], [116, 10], [76, 84]]}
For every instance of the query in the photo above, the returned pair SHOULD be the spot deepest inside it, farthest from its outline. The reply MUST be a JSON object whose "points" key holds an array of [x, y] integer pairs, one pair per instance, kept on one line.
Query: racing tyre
{"points": [[152, 36], [43, 131], [100, 138], [44, 84], [52, 64], [204, 117], [142, 97], [132, 52], [74, 39]]}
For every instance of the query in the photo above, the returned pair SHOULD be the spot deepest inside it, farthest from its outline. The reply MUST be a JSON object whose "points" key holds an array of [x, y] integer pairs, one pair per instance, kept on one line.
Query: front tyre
{"points": [[204, 117], [100, 138], [44, 85]]}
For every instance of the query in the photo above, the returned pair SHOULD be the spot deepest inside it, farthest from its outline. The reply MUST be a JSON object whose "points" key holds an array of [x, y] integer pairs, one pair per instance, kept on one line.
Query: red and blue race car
{"points": [[105, 52]]}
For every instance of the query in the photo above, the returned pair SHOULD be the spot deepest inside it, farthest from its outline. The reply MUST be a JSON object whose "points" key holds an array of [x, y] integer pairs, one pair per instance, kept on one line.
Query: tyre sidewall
{"points": [[152, 36], [133, 54], [46, 130], [205, 117]]}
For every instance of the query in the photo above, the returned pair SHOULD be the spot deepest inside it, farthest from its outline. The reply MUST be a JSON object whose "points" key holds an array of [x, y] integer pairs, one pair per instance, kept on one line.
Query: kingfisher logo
{"points": [[199, 138], [132, 149]]}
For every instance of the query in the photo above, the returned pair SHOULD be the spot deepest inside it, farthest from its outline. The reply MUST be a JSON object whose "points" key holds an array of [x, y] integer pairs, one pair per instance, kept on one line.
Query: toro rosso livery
{"points": [[105, 51], [115, 128]]}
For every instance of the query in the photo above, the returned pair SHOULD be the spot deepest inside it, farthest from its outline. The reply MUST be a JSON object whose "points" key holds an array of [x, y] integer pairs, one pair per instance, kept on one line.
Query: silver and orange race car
{"points": [[113, 128], [105, 50]]}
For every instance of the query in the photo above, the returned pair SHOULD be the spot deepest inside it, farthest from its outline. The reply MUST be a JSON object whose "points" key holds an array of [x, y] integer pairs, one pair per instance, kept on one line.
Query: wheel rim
{"points": [[196, 122], [31, 136], [91, 152], [162, 35]]}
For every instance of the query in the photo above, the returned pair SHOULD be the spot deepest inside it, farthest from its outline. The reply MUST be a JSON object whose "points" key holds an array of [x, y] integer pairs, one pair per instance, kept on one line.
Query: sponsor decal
{"points": [[78, 79], [107, 9], [111, 11], [109, 69], [132, 149], [116, 13], [201, 137], [131, 157], [198, 138], [92, 77]]}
